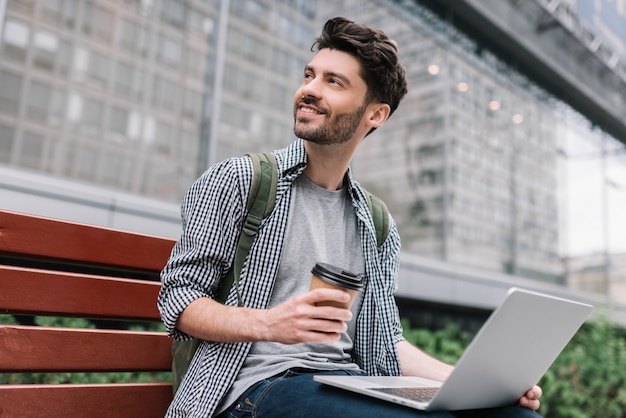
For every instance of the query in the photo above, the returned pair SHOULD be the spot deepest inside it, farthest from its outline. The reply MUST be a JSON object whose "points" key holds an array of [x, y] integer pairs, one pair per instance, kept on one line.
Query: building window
{"points": [[173, 12], [98, 70], [430, 177], [57, 107], [21, 6], [163, 137], [280, 62], [251, 10], [31, 154], [149, 128], [92, 117], [46, 46], [254, 49], [10, 91], [97, 22], [115, 169], [118, 121], [304, 35], [198, 22], [91, 67], [192, 104], [60, 11], [123, 79], [308, 8], [188, 146], [164, 93], [169, 51], [283, 26], [38, 102], [85, 161], [195, 63], [279, 97], [7, 133], [15, 41], [133, 37]]}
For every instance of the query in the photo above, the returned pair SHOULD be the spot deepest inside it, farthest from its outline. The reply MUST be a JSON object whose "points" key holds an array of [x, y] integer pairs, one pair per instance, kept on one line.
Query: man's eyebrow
{"points": [[340, 76], [331, 74]]}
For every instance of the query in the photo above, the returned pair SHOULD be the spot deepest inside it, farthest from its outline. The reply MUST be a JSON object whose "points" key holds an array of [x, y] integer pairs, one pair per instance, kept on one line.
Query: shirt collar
{"points": [[294, 159]]}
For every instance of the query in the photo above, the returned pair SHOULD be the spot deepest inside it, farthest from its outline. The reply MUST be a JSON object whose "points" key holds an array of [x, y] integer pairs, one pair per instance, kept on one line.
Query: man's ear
{"points": [[378, 114]]}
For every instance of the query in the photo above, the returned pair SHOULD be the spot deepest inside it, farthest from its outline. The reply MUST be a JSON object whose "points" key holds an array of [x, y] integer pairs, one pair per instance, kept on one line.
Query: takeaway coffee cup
{"points": [[333, 277]]}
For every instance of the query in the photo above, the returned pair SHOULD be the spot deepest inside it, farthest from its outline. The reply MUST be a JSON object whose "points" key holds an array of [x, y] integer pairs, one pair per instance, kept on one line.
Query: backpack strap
{"points": [[261, 200], [380, 216]]}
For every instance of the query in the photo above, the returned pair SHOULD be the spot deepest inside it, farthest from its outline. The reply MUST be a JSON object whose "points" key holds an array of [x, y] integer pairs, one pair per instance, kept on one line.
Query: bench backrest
{"points": [[63, 269]]}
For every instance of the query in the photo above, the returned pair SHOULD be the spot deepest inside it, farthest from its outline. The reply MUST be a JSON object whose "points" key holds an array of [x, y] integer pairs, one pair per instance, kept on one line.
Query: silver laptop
{"points": [[510, 353]]}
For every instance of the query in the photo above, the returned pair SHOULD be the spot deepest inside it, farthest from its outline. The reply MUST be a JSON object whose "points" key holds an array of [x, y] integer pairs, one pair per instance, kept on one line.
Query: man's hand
{"points": [[300, 320], [297, 320], [531, 398]]}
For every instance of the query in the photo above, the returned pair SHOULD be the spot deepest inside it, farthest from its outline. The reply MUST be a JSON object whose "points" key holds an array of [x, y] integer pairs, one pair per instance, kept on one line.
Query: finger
{"points": [[534, 393], [322, 331], [529, 403], [535, 403], [331, 313], [327, 326], [326, 294]]}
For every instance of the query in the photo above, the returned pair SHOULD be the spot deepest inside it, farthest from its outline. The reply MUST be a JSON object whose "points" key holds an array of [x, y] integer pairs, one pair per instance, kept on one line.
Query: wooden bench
{"points": [[64, 269]]}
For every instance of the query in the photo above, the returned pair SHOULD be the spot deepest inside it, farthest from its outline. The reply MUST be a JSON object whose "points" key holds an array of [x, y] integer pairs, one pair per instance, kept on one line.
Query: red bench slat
{"points": [[141, 400], [47, 349], [51, 238], [41, 292]]}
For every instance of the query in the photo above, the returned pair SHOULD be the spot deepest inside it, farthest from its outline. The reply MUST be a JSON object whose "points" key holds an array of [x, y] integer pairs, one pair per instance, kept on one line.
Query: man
{"points": [[259, 359]]}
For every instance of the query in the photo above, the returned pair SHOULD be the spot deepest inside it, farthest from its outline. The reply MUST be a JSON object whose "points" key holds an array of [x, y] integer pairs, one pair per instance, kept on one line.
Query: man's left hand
{"points": [[531, 398]]}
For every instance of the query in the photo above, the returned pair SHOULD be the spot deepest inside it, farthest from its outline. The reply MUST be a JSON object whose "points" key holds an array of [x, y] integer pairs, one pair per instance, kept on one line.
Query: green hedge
{"points": [[588, 379]]}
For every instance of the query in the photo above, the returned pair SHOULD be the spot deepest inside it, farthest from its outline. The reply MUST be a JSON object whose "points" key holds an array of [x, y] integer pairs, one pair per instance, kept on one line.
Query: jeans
{"points": [[295, 394]]}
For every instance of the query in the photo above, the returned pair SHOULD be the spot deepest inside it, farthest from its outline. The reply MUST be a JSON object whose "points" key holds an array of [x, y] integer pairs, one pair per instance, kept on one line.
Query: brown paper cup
{"points": [[332, 277]]}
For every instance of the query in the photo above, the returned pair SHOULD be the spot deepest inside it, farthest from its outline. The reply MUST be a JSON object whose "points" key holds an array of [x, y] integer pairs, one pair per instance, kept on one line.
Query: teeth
{"points": [[308, 110]]}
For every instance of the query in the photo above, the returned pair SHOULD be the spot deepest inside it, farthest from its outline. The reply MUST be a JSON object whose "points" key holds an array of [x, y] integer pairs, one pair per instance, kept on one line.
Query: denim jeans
{"points": [[295, 394]]}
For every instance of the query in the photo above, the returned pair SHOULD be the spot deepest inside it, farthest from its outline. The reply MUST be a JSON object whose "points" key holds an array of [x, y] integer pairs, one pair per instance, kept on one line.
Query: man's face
{"points": [[330, 103]]}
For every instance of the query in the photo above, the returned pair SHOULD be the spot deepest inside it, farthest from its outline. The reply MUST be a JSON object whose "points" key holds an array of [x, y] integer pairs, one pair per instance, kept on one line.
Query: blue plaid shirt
{"points": [[212, 214]]}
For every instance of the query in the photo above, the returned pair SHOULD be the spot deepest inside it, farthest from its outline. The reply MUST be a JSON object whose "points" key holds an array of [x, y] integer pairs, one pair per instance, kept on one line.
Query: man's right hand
{"points": [[300, 319], [297, 320]]}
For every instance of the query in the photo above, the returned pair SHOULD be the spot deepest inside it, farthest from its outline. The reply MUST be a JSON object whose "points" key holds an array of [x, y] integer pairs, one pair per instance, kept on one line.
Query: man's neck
{"points": [[327, 164]]}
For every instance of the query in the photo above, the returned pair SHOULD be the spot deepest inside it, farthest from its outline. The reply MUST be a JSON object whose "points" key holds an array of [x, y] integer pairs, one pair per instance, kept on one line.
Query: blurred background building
{"points": [[504, 165]]}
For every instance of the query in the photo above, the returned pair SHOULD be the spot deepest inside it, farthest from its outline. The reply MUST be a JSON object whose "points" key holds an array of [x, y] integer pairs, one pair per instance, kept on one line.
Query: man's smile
{"points": [[306, 108]]}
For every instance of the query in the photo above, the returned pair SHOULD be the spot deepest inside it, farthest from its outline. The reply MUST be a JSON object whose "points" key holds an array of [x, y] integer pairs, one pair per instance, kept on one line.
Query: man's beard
{"points": [[334, 130]]}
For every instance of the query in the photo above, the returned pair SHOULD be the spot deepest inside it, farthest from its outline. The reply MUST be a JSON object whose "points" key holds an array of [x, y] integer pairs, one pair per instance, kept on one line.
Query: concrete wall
{"points": [[435, 281], [37, 194]]}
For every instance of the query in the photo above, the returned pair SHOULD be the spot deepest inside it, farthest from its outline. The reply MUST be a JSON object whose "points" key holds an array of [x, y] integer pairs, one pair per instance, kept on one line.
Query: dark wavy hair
{"points": [[380, 66]]}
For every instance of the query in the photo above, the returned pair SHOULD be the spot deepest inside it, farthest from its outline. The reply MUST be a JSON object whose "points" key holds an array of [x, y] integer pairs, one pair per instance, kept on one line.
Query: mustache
{"points": [[312, 102]]}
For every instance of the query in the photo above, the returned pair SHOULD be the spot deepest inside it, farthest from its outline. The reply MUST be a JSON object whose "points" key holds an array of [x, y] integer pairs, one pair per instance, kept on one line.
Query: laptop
{"points": [[511, 352]]}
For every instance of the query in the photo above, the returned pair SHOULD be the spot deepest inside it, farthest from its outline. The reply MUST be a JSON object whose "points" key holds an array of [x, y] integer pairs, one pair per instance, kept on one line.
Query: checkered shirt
{"points": [[212, 212]]}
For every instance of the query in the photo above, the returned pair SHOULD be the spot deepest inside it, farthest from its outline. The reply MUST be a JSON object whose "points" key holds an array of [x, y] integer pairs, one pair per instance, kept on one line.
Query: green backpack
{"points": [[261, 200]]}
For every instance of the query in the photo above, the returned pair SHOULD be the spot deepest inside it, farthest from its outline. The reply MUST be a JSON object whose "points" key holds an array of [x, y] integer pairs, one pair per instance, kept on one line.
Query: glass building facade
{"points": [[142, 95]]}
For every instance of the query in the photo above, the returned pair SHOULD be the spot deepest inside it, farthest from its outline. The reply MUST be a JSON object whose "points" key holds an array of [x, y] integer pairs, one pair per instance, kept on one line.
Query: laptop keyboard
{"points": [[419, 394]]}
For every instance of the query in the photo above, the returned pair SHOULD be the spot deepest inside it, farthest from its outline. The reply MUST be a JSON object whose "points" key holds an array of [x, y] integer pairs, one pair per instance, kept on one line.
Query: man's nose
{"points": [[312, 88]]}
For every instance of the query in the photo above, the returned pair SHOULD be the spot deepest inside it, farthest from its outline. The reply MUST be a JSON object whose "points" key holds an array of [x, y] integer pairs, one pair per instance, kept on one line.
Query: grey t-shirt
{"points": [[322, 227]]}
